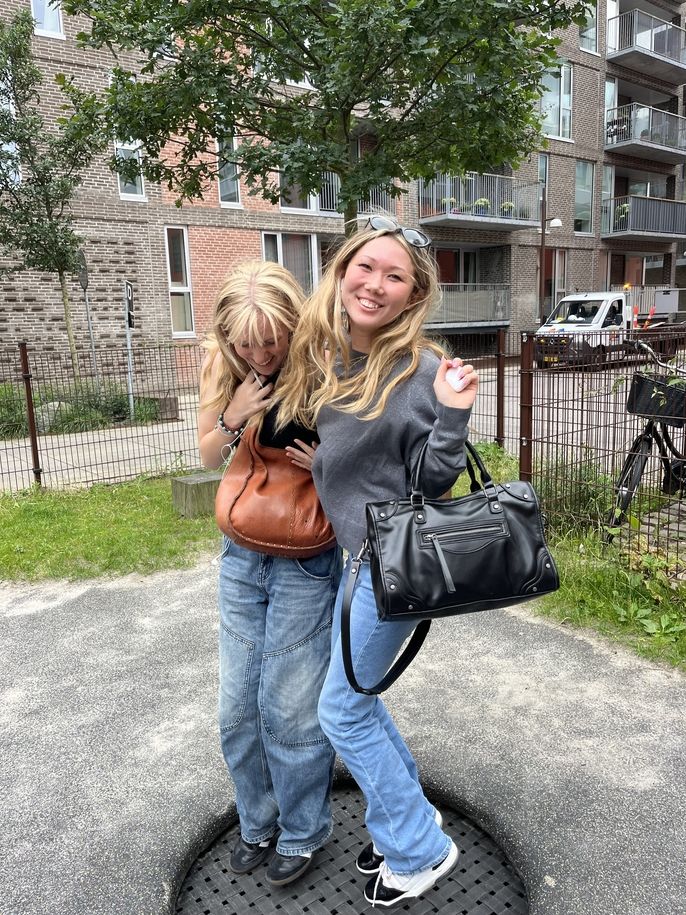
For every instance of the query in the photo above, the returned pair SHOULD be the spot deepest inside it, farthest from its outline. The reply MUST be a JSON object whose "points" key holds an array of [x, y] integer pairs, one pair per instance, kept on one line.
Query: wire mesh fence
{"points": [[565, 423], [108, 419]]}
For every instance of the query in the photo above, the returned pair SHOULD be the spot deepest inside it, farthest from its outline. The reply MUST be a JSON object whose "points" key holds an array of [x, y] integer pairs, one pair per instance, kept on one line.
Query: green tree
{"points": [[42, 162], [437, 85]]}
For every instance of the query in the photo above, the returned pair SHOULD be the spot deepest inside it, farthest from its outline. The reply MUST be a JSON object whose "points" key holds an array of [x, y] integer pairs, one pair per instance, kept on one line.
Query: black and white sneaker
{"points": [[370, 858], [388, 889]]}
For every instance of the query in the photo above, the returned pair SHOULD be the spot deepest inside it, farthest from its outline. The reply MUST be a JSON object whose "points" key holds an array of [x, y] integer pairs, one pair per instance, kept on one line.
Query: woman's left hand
{"points": [[467, 377], [303, 454]]}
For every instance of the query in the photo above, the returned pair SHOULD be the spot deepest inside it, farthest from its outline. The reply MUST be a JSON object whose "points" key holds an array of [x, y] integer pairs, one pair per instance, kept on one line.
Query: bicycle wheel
{"points": [[629, 478]]}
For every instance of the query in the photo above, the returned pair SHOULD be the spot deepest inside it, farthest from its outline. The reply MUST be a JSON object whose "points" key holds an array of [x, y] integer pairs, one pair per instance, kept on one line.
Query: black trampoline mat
{"points": [[482, 883]]}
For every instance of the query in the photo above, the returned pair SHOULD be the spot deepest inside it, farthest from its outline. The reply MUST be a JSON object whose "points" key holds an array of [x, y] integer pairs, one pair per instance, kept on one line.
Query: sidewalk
{"points": [[571, 753]]}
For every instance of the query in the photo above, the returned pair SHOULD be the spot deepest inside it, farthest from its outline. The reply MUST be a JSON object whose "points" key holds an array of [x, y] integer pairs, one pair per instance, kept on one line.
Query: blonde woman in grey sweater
{"points": [[377, 389]]}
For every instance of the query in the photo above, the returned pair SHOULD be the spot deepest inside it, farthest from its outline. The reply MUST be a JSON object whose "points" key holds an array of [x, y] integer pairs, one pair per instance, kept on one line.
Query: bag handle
{"points": [[472, 454], [401, 663]]}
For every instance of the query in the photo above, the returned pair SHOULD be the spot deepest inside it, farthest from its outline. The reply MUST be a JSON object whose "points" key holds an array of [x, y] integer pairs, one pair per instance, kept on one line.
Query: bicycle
{"points": [[665, 405]]}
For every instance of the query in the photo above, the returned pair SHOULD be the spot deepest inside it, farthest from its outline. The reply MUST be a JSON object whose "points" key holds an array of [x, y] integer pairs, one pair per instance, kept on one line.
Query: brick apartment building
{"points": [[613, 171]]}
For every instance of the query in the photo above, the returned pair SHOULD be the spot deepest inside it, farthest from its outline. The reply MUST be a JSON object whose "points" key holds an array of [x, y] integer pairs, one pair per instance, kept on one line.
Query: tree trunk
{"points": [[67, 322], [350, 218]]}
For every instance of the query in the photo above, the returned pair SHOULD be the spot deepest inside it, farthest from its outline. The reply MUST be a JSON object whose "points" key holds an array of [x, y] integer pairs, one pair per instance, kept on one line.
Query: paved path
{"points": [[568, 751]]}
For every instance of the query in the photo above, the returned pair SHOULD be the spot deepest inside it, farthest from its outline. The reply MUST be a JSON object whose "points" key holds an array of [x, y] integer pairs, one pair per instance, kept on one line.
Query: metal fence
{"points": [[566, 425], [110, 420]]}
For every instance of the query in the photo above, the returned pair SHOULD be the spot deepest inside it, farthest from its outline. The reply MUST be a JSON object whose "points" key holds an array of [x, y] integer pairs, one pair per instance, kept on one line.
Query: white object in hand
{"points": [[456, 379]]}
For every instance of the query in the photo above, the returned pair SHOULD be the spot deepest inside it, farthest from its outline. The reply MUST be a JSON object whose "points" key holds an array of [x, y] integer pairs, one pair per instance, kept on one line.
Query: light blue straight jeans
{"points": [[399, 817], [274, 646]]}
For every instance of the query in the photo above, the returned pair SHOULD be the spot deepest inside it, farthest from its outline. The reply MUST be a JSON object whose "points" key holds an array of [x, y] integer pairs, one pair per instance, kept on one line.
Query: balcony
{"points": [[643, 218], [328, 198], [494, 202], [468, 305], [647, 44], [649, 133]]}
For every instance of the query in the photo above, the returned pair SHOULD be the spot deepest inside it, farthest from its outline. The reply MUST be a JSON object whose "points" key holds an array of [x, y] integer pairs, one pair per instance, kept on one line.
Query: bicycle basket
{"points": [[650, 395]]}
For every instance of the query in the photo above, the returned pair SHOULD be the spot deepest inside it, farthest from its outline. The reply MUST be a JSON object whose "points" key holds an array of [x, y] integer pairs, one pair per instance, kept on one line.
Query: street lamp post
{"points": [[555, 223]]}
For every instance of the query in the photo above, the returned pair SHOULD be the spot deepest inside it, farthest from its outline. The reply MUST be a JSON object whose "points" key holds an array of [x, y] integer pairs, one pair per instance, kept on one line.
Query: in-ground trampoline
{"points": [[483, 883]]}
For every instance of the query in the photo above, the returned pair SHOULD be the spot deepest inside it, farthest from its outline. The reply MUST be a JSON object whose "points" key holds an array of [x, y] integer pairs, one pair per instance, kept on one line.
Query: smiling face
{"points": [[377, 286], [267, 356]]}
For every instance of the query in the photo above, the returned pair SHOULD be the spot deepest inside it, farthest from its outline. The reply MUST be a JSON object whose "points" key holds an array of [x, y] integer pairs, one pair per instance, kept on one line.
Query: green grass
{"points": [[628, 595], [102, 531]]}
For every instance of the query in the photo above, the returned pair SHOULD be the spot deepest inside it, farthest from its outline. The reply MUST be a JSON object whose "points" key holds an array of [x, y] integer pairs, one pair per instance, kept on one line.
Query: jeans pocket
{"points": [[319, 567], [235, 662], [290, 685]]}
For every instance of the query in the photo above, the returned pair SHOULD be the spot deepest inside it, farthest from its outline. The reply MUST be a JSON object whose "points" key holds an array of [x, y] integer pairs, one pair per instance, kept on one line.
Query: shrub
{"points": [[13, 419], [574, 495]]}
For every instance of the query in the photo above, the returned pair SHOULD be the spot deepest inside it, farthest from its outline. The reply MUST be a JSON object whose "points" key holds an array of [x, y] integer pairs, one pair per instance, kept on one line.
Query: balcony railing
{"points": [[637, 130], [643, 216], [640, 40], [494, 201], [328, 197], [471, 304]]}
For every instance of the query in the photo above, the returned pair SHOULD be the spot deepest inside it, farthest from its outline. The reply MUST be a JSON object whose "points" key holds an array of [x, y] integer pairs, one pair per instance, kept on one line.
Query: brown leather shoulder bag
{"points": [[268, 504]]}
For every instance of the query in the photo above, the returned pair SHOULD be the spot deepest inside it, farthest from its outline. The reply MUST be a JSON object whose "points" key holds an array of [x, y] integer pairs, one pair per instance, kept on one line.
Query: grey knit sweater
{"points": [[369, 461]]}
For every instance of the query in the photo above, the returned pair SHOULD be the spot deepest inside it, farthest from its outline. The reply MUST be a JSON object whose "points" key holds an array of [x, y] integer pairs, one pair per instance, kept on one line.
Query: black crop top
{"points": [[286, 436]]}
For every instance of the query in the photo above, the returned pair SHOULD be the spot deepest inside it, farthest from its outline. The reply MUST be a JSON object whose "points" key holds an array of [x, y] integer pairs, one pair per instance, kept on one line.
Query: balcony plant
{"points": [[450, 205], [621, 218], [481, 206], [507, 209]]}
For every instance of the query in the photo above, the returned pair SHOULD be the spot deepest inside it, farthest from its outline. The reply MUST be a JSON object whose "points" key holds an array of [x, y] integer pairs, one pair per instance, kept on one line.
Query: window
{"points": [[555, 277], [10, 168], [229, 194], [293, 197], [583, 197], [48, 16], [129, 188], [556, 102], [298, 253], [180, 297], [543, 168], [588, 32]]}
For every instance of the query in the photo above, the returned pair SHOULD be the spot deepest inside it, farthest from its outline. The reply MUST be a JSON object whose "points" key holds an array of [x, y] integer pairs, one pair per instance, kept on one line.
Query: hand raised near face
{"points": [[250, 397], [456, 384]]}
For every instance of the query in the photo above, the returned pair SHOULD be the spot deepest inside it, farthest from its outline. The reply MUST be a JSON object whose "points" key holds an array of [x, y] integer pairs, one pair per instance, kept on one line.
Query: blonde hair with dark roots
{"points": [[311, 381], [253, 290]]}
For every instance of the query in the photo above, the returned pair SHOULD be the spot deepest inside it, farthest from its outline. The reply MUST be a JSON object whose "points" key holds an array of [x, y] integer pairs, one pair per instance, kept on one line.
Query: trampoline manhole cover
{"points": [[483, 883]]}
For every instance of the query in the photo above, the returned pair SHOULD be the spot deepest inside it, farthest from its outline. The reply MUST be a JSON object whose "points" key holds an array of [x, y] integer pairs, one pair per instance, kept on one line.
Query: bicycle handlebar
{"points": [[675, 369]]}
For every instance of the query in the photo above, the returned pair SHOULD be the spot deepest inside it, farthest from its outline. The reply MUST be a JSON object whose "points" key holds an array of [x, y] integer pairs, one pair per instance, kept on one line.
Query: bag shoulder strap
{"points": [[401, 663]]}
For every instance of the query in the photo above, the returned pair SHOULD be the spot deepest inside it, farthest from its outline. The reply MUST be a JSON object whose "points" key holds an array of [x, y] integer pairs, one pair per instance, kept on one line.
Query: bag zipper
{"points": [[448, 534]]}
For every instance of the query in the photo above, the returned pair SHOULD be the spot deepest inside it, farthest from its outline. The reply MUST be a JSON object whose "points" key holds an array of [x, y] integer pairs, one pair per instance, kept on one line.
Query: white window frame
{"points": [[180, 334], [593, 18], [49, 33], [313, 201], [228, 204], [590, 230], [314, 252], [134, 147], [560, 120]]}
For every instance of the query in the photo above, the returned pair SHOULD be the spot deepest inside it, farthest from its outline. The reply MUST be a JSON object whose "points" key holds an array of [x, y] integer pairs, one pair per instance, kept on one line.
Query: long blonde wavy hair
{"points": [[321, 339], [253, 290]]}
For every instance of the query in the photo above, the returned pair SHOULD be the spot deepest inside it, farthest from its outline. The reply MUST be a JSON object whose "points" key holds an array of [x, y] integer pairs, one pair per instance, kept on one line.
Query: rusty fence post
{"points": [[526, 404], [28, 392], [500, 387]]}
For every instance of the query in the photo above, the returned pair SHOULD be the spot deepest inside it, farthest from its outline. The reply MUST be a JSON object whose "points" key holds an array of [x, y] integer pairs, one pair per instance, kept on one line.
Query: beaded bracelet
{"points": [[221, 425]]}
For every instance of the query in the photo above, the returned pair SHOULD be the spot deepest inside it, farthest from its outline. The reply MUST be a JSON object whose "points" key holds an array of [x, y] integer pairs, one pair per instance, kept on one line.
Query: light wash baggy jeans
{"points": [[399, 817], [274, 645]]}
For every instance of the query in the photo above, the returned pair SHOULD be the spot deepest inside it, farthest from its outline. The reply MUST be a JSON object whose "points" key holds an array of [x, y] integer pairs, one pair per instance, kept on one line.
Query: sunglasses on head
{"points": [[412, 236]]}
